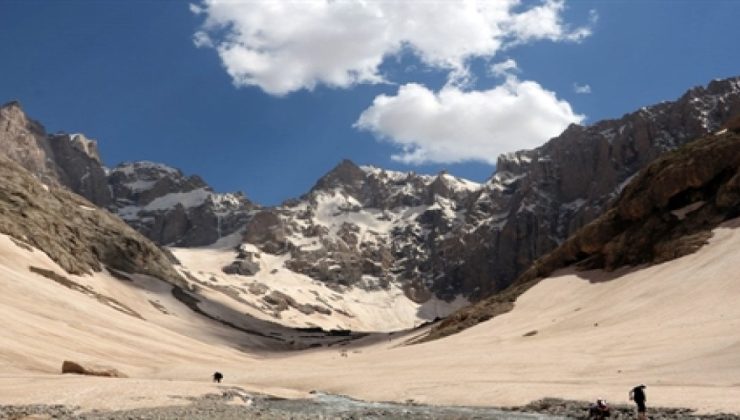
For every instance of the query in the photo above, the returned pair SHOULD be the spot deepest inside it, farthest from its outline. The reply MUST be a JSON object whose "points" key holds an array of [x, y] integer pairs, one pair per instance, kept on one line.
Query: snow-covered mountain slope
{"points": [[365, 227], [277, 294]]}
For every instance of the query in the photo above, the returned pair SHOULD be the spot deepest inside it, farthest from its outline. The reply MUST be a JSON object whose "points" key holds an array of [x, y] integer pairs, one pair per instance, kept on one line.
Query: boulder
{"points": [[90, 370], [242, 267]]}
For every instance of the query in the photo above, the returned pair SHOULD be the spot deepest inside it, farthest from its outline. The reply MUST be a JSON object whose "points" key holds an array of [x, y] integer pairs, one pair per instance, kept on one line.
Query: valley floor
{"points": [[576, 335]]}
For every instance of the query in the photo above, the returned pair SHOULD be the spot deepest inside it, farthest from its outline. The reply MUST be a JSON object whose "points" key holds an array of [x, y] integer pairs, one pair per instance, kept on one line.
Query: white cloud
{"points": [[284, 46], [504, 68], [545, 22], [201, 39], [454, 125], [582, 89]]}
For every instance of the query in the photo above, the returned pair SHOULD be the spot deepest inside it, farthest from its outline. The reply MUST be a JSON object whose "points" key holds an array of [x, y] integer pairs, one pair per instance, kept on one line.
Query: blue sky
{"points": [[129, 74]]}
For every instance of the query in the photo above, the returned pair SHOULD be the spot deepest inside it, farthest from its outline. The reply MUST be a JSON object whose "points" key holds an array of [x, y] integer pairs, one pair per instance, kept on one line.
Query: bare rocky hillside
{"points": [[77, 235]]}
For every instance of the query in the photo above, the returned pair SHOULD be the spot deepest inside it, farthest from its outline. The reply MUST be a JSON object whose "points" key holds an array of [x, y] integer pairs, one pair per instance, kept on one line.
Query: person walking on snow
{"points": [[637, 394]]}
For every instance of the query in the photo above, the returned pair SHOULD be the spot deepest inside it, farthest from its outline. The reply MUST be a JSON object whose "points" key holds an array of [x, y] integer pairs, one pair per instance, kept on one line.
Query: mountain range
{"points": [[362, 227], [602, 259]]}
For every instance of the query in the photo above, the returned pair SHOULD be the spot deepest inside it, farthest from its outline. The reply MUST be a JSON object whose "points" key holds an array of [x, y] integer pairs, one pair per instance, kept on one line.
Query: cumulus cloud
{"points": [[504, 68], [545, 22], [453, 125], [582, 89], [285, 46]]}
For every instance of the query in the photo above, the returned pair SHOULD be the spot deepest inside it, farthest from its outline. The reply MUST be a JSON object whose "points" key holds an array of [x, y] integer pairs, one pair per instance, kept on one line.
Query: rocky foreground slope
{"points": [[667, 211]]}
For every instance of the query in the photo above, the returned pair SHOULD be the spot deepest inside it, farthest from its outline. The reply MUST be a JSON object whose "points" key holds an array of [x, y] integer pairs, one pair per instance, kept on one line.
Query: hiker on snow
{"points": [[637, 394], [217, 377]]}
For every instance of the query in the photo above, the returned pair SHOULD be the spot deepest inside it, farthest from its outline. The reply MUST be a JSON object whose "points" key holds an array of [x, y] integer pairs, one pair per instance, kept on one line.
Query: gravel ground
{"points": [[579, 410], [235, 403]]}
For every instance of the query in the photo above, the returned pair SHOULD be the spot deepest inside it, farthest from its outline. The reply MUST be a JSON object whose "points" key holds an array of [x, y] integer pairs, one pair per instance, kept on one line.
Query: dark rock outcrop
{"points": [[76, 368], [242, 267], [280, 302], [80, 168], [172, 209]]}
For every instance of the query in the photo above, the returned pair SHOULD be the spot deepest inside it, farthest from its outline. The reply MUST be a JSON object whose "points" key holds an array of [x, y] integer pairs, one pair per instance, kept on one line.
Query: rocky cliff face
{"points": [[79, 167], [157, 200], [538, 198], [172, 209], [666, 211], [68, 160]]}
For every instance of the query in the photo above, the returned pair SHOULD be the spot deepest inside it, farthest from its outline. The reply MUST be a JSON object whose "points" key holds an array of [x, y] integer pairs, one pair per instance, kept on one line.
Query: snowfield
{"points": [[354, 309], [577, 335]]}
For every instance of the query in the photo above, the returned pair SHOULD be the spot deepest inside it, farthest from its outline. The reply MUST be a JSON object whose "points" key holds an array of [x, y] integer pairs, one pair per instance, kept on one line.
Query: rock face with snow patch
{"points": [[366, 227], [173, 209]]}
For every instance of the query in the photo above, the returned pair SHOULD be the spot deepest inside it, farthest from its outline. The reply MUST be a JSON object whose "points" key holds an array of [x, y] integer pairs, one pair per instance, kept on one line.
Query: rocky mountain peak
{"points": [[78, 166], [14, 118], [11, 104], [172, 208], [517, 162], [720, 87], [12, 110], [439, 187], [24, 141], [85, 145], [69, 160], [142, 182], [346, 175]]}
